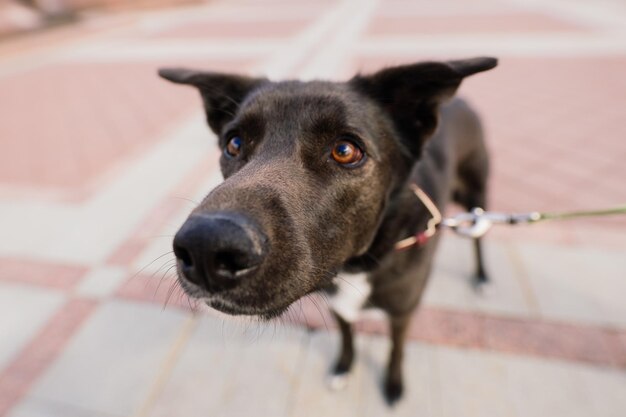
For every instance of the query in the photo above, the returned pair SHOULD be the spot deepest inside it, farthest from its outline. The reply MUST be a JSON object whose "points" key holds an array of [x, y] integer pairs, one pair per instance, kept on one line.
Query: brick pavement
{"points": [[101, 162]]}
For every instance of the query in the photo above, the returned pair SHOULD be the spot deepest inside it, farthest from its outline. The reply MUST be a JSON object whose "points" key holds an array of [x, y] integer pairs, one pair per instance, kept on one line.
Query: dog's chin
{"points": [[234, 309], [222, 303]]}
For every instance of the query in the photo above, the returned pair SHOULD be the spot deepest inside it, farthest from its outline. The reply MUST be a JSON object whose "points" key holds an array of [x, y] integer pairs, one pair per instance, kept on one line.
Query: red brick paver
{"points": [[65, 126], [233, 29], [540, 338], [16, 379], [46, 274], [478, 24]]}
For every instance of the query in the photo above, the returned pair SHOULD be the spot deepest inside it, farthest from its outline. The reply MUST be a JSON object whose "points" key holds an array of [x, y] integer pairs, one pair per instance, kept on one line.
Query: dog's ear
{"points": [[221, 93], [412, 93]]}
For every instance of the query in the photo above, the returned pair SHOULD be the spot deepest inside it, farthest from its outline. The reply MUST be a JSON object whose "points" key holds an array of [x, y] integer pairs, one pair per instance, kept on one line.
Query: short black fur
{"points": [[319, 217]]}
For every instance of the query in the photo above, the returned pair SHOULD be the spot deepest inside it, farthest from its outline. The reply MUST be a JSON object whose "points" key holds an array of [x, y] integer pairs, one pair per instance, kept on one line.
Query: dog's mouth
{"points": [[229, 301], [226, 306]]}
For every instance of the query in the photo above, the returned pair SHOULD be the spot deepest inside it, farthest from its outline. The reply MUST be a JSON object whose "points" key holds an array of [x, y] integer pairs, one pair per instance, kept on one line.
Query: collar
{"points": [[420, 238]]}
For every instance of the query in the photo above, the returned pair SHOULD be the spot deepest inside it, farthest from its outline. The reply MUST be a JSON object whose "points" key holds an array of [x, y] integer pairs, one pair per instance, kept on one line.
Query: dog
{"points": [[317, 192]]}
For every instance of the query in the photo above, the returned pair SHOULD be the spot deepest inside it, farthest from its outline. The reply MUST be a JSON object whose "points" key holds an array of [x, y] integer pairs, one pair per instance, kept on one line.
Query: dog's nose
{"points": [[216, 251]]}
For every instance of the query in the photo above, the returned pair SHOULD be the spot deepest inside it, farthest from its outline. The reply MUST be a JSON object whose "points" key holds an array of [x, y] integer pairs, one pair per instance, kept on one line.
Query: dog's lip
{"points": [[225, 305], [221, 302]]}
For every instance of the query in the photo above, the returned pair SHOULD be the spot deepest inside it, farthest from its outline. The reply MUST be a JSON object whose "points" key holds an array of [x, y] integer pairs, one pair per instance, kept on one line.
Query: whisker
{"points": [[321, 314], [153, 261], [169, 293], [163, 278], [350, 284], [187, 199]]}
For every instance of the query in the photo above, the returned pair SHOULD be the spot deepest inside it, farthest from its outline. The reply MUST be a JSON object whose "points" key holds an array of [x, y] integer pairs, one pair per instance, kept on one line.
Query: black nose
{"points": [[216, 251]]}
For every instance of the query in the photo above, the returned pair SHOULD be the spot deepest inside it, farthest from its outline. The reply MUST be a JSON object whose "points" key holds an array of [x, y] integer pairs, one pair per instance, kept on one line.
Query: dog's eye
{"points": [[347, 153], [233, 147]]}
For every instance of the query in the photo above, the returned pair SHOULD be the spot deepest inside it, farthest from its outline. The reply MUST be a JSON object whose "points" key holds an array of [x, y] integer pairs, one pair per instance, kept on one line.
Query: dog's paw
{"points": [[337, 381], [482, 285], [393, 392]]}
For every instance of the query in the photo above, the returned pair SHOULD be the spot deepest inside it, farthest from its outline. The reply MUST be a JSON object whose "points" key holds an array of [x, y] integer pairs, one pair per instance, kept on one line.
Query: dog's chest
{"points": [[353, 290]]}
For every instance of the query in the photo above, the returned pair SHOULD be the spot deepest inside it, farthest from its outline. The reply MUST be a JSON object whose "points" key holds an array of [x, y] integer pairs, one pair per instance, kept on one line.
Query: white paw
{"points": [[337, 382]]}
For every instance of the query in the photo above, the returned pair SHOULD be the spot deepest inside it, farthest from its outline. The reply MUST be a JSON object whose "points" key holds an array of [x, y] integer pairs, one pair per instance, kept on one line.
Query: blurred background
{"points": [[100, 162]]}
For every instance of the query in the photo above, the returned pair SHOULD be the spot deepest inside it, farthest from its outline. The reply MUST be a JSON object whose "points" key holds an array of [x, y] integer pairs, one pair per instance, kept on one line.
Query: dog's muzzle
{"points": [[217, 251]]}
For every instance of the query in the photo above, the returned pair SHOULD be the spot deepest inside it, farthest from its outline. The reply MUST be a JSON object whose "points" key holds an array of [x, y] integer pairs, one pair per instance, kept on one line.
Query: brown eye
{"points": [[347, 153], [233, 148]]}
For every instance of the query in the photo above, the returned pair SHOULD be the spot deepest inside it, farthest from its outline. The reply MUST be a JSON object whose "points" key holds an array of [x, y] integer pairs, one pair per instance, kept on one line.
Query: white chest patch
{"points": [[352, 293]]}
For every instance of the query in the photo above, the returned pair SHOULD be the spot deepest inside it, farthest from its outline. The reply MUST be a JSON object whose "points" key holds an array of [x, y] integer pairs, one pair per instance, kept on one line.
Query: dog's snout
{"points": [[216, 251]]}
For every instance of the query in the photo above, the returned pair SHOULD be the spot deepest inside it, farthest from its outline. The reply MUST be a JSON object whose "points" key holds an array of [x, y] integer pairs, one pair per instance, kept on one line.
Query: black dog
{"points": [[317, 192]]}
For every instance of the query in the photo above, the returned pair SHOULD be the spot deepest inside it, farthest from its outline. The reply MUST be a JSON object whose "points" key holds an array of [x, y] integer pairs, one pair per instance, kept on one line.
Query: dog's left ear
{"points": [[221, 93], [411, 94]]}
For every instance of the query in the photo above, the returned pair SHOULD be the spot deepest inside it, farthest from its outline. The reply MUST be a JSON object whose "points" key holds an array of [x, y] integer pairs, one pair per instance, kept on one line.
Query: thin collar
{"points": [[420, 238]]}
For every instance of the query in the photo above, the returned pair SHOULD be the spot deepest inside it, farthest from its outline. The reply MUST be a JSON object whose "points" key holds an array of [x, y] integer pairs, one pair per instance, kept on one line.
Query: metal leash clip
{"points": [[476, 223]]}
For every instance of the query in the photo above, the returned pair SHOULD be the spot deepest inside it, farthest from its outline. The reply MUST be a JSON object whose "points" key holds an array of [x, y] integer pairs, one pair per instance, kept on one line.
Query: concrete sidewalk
{"points": [[101, 161]]}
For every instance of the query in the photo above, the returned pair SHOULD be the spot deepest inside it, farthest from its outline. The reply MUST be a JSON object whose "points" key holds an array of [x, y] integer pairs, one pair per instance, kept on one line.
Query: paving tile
{"points": [[23, 311], [394, 8], [41, 273], [486, 23], [574, 284], [484, 384], [34, 407], [606, 269], [159, 288], [451, 280], [238, 29], [101, 281], [35, 357], [622, 338], [472, 384], [149, 233], [551, 388], [606, 389], [123, 203], [123, 115], [585, 344], [447, 327], [234, 369], [157, 239], [313, 396], [110, 364]]}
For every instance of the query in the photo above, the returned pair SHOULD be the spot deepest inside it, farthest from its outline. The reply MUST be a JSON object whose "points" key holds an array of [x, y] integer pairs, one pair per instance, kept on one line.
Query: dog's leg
{"points": [[481, 278], [339, 378], [393, 381], [478, 198], [472, 178]]}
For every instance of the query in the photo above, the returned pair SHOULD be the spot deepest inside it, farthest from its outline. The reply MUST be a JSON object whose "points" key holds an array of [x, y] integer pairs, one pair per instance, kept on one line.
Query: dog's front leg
{"points": [[393, 381], [481, 278], [338, 379]]}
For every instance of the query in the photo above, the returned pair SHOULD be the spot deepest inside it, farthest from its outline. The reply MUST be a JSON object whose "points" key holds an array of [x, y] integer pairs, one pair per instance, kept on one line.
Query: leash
{"points": [[477, 222]]}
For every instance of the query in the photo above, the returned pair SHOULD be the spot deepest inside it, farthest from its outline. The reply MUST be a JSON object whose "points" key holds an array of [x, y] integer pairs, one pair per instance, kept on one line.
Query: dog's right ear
{"points": [[412, 94], [221, 93]]}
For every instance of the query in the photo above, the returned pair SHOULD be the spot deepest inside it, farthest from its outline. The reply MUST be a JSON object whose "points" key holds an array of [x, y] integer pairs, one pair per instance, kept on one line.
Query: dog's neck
{"points": [[403, 217]]}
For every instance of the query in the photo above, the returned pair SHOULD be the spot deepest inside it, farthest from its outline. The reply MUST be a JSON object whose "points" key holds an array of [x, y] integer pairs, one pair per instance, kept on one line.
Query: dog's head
{"points": [[309, 168]]}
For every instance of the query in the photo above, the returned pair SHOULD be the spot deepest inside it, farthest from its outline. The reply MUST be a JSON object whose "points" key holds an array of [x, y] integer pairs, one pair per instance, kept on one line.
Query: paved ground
{"points": [[100, 160]]}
